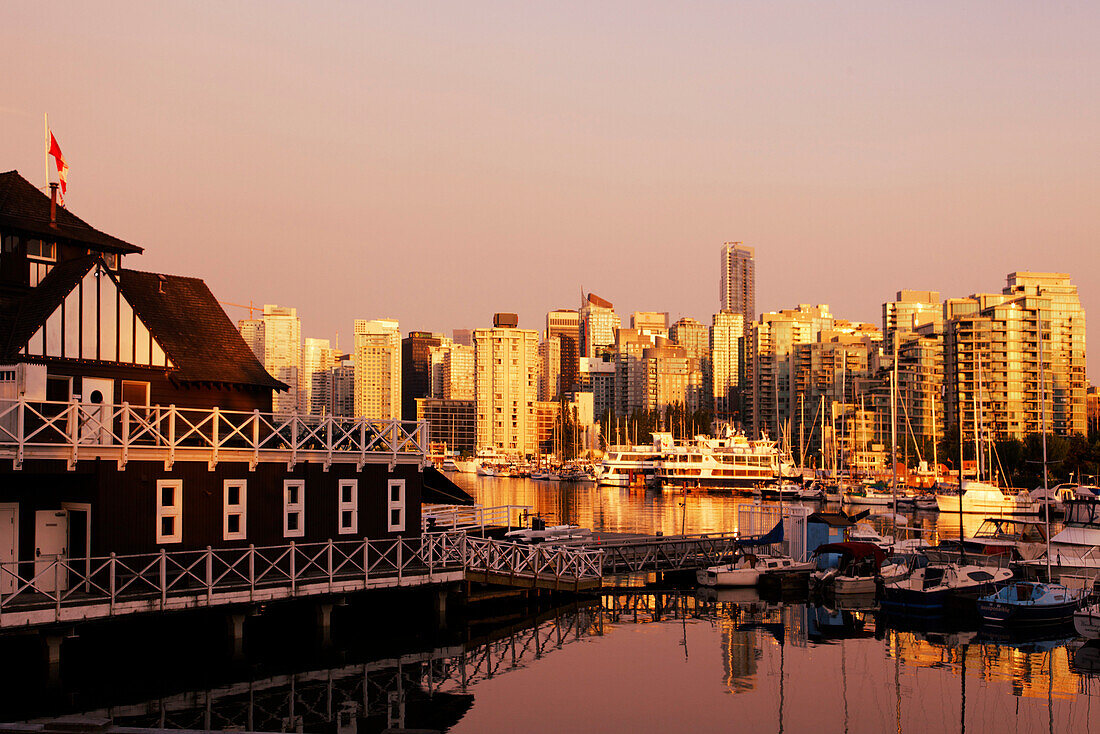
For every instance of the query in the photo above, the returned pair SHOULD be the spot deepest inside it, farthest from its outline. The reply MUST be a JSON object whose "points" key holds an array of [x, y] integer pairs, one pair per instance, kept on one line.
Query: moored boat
{"points": [[1030, 603], [987, 499], [939, 589]]}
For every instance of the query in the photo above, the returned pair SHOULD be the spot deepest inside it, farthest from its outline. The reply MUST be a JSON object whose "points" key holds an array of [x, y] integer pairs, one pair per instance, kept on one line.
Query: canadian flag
{"points": [[62, 166]]}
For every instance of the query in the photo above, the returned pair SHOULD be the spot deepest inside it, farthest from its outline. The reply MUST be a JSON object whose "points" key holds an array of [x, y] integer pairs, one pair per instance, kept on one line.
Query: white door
{"points": [[9, 542], [51, 533], [97, 399]]}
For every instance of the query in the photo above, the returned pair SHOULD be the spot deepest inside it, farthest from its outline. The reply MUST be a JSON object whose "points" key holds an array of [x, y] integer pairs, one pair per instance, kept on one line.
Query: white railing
{"points": [[64, 589], [526, 559], [72, 430], [469, 518]]}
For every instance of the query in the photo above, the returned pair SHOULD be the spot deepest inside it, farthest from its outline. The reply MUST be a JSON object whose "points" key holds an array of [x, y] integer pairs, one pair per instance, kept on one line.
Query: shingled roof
{"points": [[194, 330], [24, 207]]}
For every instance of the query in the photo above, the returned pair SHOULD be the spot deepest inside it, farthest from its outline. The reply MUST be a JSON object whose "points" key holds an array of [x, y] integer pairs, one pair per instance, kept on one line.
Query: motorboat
{"points": [[539, 533], [1030, 603], [942, 588], [749, 569], [988, 499], [626, 466], [853, 567], [1074, 554], [813, 493], [867, 496]]}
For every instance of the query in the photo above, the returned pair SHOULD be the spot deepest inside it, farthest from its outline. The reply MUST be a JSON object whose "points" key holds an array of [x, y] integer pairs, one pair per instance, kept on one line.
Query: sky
{"points": [[439, 162]]}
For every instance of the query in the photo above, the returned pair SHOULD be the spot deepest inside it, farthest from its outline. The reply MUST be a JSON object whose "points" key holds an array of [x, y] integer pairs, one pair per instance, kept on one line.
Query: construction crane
{"points": [[251, 307]]}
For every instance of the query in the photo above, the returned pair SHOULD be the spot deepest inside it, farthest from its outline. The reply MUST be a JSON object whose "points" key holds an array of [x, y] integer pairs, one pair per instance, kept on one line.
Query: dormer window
{"points": [[111, 259], [41, 250]]}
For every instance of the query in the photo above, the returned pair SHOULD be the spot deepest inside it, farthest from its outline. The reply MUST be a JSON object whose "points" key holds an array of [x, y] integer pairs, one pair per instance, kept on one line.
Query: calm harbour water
{"points": [[653, 659]]}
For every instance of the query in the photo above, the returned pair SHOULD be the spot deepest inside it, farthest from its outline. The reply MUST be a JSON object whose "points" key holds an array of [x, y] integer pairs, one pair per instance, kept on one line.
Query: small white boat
{"points": [[484, 470], [987, 499], [449, 465], [748, 569]]}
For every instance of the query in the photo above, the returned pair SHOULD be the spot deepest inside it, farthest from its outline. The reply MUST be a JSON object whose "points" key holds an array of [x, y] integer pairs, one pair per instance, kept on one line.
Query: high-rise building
{"points": [[318, 359], [910, 311], [506, 386], [597, 375], [737, 285], [416, 369], [465, 337], [694, 337], [727, 336], [549, 368], [566, 325], [650, 323], [343, 386], [276, 340], [598, 323], [377, 369], [992, 344], [451, 423]]}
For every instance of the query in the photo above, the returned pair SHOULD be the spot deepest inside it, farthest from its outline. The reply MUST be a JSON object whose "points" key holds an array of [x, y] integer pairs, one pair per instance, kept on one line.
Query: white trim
{"points": [[347, 510], [173, 511], [395, 505], [7, 582], [297, 509], [238, 509]]}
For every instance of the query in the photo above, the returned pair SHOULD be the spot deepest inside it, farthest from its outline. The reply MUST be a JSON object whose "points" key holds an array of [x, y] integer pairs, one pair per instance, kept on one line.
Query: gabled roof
{"points": [[26, 315], [194, 330], [181, 314], [24, 207]]}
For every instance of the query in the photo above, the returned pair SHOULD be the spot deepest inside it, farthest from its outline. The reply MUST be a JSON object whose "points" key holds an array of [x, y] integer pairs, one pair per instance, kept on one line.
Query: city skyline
{"points": [[923, 148]]}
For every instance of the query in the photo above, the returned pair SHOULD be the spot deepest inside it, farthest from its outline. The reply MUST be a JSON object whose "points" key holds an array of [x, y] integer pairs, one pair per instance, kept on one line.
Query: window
{"points": [[348, 504], [234, 509], [169, 511], [110, 259], [41, 249], [294, 508], [395, 506]]}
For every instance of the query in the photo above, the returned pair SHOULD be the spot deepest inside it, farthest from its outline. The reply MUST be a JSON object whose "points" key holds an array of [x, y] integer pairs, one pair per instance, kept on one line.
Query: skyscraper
{"points": [[416, 369], [506, 386], [599, 322], [377, 369], [737, 287], [566, 325], [726, 366], [276, 340], [318, 359]]}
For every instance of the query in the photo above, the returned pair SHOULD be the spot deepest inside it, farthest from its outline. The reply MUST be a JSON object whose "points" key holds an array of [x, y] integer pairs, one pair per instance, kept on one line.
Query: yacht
{"points": [[998, 541], [987, 499], [731, 461], [627, 466]]}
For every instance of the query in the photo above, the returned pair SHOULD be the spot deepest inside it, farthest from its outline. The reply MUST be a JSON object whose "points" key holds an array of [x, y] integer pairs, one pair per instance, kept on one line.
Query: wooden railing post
{"points": [[251, 572], [163, 578], [111, 584], [214, 437], [57, 586], [400, 543], [255, 438], [329, 564], [171, 436], [209, 575], [20, 430], [125, 435], [366, 560], [293, 570]]}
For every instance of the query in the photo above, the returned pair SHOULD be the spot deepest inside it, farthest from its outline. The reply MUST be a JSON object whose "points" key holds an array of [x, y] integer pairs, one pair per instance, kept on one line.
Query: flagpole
{"points": [[46, 157]]}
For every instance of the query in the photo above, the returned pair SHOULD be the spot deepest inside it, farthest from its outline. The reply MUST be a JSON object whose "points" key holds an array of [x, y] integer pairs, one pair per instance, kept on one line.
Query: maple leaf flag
{"points": [[62, 166]]}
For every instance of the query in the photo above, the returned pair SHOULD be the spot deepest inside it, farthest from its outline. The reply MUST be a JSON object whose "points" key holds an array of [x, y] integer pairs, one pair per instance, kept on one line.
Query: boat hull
{"points": [[1087, 622]]}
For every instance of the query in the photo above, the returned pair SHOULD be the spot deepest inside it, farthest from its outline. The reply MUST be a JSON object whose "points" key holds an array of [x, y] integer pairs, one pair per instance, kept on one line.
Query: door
{"points": [[79, 545], [95, 420], [51, 533], [9, 542]]}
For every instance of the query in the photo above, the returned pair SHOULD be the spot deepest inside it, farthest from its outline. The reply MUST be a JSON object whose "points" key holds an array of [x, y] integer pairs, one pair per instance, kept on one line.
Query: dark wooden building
{"points": [[134, 417]]}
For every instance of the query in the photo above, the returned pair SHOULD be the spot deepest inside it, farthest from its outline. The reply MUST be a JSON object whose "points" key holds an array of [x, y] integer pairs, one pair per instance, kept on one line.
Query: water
{"points": [[653, 659]]}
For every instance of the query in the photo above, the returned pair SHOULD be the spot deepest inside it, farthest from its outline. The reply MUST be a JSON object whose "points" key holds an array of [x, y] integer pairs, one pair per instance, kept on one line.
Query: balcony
{"points": [[73, 432]]}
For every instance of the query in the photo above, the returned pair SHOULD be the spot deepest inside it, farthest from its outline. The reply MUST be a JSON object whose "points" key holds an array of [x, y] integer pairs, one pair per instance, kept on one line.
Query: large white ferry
{"points": [[627, 466], [728, 462]]}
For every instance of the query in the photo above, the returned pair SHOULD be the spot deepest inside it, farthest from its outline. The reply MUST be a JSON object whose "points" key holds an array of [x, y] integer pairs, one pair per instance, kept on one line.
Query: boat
{"points": [[627, 466], [749, 570], [486, 470], [815, 492], [777, 491], [867, 495], [940, 589], [984, 498], [1086, 621], [730, 461], [539, 532], [465, 466], [998, 541], [449, 465], [853, 567], [1030, 603]]}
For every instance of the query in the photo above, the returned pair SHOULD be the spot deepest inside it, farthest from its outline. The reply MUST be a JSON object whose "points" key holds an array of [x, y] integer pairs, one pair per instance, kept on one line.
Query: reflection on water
{"points": [[637, 659]]}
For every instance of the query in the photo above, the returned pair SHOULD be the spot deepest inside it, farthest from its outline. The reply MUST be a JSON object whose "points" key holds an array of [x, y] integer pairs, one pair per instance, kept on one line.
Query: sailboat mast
{"points": [[962, 410], [1043, 429], [894, 433]]}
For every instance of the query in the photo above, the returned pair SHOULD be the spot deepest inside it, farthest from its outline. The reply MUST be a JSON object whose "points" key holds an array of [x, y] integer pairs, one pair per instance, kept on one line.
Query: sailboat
{"points": [[1034, 602]]}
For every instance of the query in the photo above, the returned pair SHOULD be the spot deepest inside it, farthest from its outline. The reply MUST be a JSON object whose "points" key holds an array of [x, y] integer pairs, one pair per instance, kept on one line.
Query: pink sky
{"points": [[439, 162]]}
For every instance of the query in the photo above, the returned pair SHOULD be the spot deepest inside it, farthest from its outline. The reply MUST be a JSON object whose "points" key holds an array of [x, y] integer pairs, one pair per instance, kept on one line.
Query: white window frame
{"points": [[298, 508], [173, 511], [351, 505], [398, 504], [240, 509]]}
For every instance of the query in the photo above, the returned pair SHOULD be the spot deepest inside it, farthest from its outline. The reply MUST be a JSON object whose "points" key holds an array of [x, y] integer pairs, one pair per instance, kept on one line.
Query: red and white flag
{"points": [[62, 166]]}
